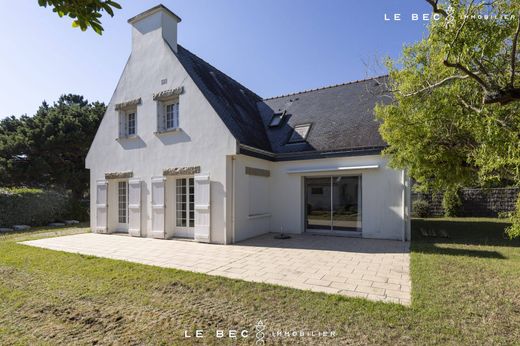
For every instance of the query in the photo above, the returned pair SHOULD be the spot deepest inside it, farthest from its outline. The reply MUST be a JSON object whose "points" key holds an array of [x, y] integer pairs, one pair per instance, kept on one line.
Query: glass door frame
{"points": [[186, 231], [332, 231]]}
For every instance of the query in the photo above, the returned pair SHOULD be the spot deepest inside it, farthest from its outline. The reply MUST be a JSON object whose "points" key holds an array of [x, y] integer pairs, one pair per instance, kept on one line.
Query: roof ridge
{"points": [[325, 87]]}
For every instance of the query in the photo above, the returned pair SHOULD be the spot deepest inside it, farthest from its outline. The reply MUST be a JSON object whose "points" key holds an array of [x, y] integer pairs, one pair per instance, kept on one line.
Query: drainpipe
{"points": [[233, 195]]}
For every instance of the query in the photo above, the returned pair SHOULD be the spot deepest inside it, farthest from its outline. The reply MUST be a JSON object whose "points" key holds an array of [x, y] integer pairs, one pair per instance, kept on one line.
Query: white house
{"points": [[186, 151]]}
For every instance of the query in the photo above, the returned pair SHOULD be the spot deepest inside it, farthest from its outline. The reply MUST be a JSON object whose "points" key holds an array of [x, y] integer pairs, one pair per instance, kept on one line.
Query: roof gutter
{"points": [[304, 155]]}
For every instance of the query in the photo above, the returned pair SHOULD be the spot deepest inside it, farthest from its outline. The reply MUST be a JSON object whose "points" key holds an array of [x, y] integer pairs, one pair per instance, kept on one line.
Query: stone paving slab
{"points": [[374, 269]]}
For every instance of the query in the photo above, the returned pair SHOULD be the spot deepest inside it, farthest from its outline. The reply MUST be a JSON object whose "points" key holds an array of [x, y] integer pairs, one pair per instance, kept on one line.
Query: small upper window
{"points": [[171, 118], [276, 120], [300, 133], [130, 121]]}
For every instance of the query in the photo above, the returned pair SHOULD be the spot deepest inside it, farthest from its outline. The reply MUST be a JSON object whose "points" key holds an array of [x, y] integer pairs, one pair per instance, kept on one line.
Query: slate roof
{"points": [[341, 117], [233, 102]]}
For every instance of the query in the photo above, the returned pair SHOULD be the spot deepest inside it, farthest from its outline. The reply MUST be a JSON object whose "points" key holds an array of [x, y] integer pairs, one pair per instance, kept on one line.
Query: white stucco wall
{"points": [[249, 223], [382, 196], [204, 140], [242, 206]]}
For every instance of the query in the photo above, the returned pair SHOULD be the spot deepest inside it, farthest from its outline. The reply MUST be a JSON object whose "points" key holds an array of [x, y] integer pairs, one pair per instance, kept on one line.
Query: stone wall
{"points": [[475, 202]]}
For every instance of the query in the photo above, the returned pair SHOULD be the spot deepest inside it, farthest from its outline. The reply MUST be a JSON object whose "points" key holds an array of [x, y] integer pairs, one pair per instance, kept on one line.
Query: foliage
{"points": [[441, 124], [505, 214], [421, 208], [514, 230], [451, 201], [49, 149], [85, 13], [36, 207], [78, 210]]}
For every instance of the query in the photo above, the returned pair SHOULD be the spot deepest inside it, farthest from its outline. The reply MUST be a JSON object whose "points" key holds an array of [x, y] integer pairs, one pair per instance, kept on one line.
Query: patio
{"points": [[372, 269]]}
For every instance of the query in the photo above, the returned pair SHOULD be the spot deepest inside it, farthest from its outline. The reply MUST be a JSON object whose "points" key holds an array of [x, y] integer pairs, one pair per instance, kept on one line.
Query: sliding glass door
{"points": [[333, 203]]}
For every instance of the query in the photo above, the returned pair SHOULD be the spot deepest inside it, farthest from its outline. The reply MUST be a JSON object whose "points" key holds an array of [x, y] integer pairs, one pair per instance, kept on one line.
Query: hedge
{"points": [[35, 207]]}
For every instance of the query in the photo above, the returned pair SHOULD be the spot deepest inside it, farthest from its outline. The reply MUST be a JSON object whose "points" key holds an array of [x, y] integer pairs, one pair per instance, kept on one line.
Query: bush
{"points": [[78, 210], [35, 207], [451, 201], [421, 208], [514, 230], [505, 214]]}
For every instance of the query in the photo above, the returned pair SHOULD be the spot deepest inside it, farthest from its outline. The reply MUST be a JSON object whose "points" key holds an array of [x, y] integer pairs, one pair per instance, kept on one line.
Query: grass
{"points": [[465, 290]]}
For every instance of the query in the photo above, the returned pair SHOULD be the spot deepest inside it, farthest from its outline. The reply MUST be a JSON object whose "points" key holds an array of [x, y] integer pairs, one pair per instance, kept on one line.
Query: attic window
{"points": [[300, 133], [276, 120]]}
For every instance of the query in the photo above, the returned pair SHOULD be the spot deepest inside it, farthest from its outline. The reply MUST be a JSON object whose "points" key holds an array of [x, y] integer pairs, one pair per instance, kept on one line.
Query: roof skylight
{"points": [[300, 133], [276, 120]]}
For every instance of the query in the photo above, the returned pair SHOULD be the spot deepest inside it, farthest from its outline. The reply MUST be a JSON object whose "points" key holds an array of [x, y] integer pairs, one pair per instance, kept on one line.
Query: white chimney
{"points": [[158, 20]]}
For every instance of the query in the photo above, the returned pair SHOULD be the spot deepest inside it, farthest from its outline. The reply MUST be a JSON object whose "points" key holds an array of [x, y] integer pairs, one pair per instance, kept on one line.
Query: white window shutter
{"points": [[158, 207], [101, 206], [134, 207], [202, 207], [121, 124], [161, 117]]}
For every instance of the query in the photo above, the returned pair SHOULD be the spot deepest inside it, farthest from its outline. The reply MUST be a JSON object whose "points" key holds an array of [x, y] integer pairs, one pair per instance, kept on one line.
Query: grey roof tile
{"points": [[342, 116]]}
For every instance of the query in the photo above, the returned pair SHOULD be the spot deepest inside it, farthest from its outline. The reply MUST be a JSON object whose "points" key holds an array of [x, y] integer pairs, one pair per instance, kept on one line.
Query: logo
{"points": [[259, 328]]}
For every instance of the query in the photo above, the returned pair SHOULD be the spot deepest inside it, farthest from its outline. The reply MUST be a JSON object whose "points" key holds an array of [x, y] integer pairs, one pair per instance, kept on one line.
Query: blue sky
{"points": [[271, 46]]}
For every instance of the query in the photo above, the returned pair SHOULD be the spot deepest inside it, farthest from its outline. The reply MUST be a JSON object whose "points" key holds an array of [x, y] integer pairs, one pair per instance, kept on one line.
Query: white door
{"points": [[158, 207], [101, 206], [184, 207], [134, 207], [202, 207]]}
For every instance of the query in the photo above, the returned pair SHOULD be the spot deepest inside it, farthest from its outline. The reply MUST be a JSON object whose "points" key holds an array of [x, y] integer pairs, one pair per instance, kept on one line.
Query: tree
{"points": [[85, 12], [49, 149], [455, 116]]}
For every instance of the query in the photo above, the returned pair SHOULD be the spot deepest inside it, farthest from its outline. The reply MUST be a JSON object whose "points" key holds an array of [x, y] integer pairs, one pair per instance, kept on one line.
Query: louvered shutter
{"points": [[158, 207], [101, 206], [122, 124], [202, 208], [161, 117], [134, 207]]}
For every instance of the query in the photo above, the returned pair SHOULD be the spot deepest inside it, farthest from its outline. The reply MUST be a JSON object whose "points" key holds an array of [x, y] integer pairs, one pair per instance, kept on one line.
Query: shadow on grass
{"points": [[470, 232], [439, 250]]}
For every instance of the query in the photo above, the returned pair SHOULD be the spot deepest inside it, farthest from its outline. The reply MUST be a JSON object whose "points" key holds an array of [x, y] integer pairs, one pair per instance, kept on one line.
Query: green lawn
{"points": [[465, 290]]}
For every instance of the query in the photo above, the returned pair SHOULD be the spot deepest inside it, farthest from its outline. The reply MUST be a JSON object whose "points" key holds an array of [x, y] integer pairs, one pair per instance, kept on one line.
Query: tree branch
{"points": [[435, 85], [471, 74], [470, 107], [436, 9], [513, 54]]}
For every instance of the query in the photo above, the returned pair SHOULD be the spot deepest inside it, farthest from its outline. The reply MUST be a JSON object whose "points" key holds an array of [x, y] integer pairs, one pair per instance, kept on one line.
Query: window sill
{"points": [[124, 138], [164, 132], [258, 216]]}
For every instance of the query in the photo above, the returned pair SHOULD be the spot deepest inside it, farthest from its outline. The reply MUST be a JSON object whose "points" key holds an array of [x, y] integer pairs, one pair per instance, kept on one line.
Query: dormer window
{"points": [[277, 118], [300, 133]]}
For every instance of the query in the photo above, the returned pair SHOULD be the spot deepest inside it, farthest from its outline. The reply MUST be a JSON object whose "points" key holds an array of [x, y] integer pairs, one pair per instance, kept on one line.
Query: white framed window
{"points": [[185, 202], [171, 115], [128, 123], [130, 119], [122, 193]]}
